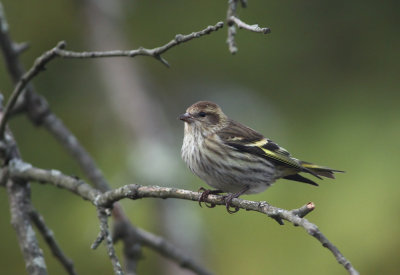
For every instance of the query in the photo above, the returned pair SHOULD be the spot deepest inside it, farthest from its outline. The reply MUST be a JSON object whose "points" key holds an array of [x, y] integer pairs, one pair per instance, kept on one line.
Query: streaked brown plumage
{"points": [[234, 158]]}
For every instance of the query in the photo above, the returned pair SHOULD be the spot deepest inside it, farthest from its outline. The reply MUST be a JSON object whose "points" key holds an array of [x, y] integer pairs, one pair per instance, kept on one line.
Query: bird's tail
{"points": [[320, 170]]}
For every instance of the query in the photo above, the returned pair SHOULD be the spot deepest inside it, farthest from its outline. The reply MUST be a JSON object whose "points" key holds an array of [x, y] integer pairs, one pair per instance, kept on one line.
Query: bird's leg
{"points": [[205, 194], [228, 199]]}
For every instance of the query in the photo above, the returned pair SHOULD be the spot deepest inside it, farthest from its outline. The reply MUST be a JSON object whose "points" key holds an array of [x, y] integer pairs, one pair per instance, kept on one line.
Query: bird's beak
{"points": [[186, 117]]}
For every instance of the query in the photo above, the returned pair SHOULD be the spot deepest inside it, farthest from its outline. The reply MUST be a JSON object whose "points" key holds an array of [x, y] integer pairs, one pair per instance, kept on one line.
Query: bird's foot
{"points": [[228, 199], [204, 195]]}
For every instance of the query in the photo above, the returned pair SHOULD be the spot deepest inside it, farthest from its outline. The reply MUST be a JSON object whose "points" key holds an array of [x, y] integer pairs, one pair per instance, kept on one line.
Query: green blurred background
{"points": [[324, 85]]}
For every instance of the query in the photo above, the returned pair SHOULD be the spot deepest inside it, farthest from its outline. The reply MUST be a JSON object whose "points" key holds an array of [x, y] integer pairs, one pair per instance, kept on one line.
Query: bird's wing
{"points": [[247, 140]]}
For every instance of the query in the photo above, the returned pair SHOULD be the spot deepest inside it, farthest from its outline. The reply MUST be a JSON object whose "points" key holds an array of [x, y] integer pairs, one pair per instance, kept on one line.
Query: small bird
{"points": [[236, 159]]}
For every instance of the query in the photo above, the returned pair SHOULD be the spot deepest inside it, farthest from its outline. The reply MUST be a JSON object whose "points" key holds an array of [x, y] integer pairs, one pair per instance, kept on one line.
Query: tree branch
{"points": [[20, 202], [58, 51], [156, 52], [232, 19], [232, 5], [105, 234], [22, 170], [19, 197], [134, 191], [253, 28], [48, 235]]}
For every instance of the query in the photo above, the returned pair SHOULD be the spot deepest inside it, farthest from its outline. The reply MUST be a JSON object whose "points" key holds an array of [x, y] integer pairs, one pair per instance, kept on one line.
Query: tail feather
{"points": [[298, 177], [321, 170]]}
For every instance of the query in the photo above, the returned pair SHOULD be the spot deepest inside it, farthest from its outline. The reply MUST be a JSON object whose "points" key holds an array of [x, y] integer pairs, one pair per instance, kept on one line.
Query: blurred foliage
{"points": [[324, 84]]}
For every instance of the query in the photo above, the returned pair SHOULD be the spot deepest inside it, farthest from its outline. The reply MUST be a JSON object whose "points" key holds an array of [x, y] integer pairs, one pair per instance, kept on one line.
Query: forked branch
{"points": [[20, 170], [233, 20]]}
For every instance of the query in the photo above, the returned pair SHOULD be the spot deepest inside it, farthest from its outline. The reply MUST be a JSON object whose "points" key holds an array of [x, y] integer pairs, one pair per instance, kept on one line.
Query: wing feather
{"points": [[247, 140]]}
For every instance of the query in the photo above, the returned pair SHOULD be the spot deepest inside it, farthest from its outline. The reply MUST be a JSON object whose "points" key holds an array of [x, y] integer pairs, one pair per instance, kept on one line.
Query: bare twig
{"points": [[232, 5], [232, 19], [134, 191], [156, 52], [48, 235], [58, 51], [37, 67], [304, 210], [105, 232], [253, 28], [98, 241]]}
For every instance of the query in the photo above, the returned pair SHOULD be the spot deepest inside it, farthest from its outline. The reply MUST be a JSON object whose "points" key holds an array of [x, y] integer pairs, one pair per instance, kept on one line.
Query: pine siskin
{"points": [[234, 158]]}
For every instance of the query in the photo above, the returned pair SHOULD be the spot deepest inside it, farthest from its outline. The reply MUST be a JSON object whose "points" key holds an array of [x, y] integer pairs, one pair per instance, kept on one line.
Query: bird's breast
{"points": [[191, 147]]}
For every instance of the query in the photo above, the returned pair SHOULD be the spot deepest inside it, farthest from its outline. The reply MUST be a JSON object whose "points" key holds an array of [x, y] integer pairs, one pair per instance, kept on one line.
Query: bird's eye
{"points": [[202, 114]]}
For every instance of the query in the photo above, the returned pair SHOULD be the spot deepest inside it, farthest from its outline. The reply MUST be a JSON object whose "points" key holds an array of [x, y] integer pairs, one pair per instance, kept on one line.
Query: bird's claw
{"points": [[204, 195], [228, 199]]}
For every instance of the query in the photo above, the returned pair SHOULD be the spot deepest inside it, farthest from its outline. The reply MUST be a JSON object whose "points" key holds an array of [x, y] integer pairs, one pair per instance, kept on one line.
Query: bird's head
{"points": [[204, 116]]}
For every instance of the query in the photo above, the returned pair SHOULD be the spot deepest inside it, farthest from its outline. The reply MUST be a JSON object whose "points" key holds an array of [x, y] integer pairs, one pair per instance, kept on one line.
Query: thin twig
{"points": [[58, 51], [134, 191], [232, 6], [304, 210], [105, 232], [253, 28], [37, 67], [98, 241], [156, 52], [48, 235], [232, 19]]}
